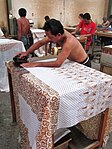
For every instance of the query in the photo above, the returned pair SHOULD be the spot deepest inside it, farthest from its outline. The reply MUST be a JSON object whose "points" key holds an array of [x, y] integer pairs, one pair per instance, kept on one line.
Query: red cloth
{"points": [[87, 29]]}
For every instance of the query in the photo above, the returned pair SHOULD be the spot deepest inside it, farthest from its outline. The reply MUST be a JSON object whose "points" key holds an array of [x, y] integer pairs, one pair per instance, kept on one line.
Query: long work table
{"points": [[47, 99], [8, 49], [104, 33]]}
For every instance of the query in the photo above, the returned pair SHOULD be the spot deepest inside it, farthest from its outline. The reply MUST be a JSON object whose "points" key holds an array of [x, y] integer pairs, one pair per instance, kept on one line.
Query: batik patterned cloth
{"points": [[8, 49], [58, 98]]}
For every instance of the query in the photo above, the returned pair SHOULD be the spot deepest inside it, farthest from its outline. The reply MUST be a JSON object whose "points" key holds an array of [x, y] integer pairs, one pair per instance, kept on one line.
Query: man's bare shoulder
{"points": [[71, 41]]}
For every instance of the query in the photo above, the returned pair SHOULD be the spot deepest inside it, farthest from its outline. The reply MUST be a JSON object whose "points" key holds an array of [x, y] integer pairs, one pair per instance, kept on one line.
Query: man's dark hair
{"points": [[54, 26], [81, 15], [22, 12], [87, 16], [47, 18]]}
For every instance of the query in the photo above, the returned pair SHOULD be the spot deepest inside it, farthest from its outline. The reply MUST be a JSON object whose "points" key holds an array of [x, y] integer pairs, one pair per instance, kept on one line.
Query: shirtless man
{"points": [[23, 28], [71, 47]]}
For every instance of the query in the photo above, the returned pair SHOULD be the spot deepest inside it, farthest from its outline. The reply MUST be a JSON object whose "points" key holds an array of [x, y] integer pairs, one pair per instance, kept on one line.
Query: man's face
{"points": [[53, 38], [86, 21]]}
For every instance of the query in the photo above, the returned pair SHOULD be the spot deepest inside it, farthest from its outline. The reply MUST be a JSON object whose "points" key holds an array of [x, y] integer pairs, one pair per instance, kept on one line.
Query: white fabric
{"points": [[1, 33], [36, 30], [29, 119], [8, 49], [38, 34], [5, 41], [31, 122], [109, 46], [73, 81]]}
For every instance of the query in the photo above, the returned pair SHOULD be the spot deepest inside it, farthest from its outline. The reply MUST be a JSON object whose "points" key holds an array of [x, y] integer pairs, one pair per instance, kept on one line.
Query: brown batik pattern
{"points": [[15, 73], [107, 51], [33, 87], [90, 127], [43, 101]]}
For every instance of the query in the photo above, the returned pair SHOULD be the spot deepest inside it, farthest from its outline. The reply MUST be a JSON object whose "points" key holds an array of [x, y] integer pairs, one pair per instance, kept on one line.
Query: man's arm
{"points": [[86, 35], [76, 30], [34, 47], [60, 59], [78, 27], [106, 25]]}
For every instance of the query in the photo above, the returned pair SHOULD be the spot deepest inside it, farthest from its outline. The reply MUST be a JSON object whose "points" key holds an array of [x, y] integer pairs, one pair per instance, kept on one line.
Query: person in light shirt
{"points": [[71, 47], [104, 24]]}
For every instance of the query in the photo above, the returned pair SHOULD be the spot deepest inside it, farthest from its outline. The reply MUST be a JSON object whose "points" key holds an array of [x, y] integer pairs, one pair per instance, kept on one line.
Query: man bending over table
{"points": [[86, 28], [71, 47]]}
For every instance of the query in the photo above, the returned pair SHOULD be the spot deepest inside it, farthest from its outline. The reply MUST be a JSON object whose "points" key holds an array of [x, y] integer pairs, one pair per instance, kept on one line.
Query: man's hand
{"points": [[73, 33], [30, 64], [22, 54]]}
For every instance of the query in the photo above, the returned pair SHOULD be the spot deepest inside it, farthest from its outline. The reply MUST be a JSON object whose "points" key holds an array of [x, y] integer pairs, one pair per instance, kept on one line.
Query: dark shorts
{"points": [[86, 62]]}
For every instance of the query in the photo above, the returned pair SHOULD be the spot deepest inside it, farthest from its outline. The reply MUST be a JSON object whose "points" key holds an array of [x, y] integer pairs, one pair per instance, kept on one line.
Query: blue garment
{"points": [[99, 26], [27, 40], [110, 29]]}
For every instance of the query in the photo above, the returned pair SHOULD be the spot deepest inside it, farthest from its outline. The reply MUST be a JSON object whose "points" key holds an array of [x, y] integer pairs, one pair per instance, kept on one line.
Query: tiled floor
{"points": [[8, 130]]}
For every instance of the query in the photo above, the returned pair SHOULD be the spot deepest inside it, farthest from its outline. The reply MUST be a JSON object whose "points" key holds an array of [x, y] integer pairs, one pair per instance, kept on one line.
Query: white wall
{"points": [[3, 13], [64, 10]]}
